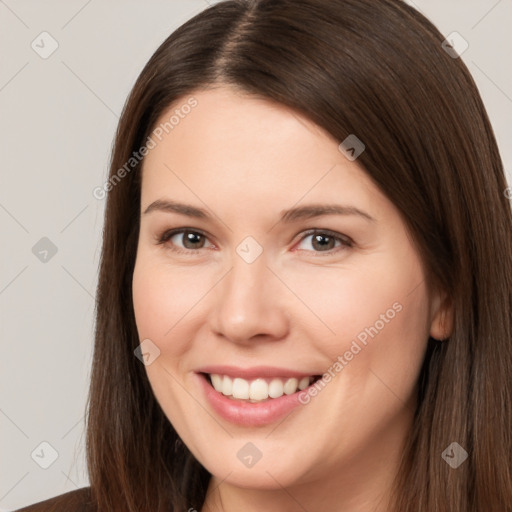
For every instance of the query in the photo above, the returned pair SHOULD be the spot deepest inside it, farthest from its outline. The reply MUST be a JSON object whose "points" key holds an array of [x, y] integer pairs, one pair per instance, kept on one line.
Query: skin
{"points": [[299, 305]]}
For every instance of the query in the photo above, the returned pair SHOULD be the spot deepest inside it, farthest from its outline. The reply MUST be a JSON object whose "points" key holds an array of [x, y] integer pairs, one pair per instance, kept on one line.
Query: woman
{"points": [[305, 287]]}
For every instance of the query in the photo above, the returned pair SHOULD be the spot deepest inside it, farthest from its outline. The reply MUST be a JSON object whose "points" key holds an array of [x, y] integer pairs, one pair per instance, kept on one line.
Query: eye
{"points": [[324, 241], [190, 240]]}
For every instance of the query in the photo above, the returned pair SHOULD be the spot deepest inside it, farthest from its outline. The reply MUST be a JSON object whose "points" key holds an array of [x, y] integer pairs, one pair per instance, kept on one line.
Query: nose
{"points": [[250, 304]]}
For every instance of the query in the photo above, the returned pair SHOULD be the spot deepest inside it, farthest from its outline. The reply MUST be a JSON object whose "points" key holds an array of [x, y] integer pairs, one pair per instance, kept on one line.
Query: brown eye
{"points": [[191, 239], [183, 240], [324, 241]]}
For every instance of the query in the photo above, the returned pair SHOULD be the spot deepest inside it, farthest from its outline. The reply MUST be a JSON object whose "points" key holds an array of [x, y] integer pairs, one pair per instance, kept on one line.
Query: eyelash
{"points": [[346, 242]]}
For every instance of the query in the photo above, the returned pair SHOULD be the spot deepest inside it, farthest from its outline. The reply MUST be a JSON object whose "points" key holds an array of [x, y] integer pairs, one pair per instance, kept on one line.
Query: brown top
{"points": [[73, 501]]}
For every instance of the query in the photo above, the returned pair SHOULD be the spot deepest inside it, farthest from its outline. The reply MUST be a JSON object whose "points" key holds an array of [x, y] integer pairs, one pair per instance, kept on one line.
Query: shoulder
{"points": [[73, 501]]}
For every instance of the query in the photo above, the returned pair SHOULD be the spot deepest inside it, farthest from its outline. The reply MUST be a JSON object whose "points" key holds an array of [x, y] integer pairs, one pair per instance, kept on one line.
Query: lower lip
{"points": [[248, 414]]}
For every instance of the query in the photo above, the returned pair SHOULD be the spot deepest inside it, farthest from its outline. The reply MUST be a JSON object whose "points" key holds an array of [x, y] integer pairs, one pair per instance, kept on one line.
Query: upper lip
{"points": [[253, 372]]}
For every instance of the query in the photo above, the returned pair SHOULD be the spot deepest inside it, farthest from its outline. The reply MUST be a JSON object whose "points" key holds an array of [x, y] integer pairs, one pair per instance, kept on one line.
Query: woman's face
{"points": [[282, 261]]}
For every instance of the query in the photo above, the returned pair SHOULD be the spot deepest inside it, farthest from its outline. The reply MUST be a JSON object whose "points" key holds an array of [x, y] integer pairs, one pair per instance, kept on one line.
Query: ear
{"points": [[441, 325]]}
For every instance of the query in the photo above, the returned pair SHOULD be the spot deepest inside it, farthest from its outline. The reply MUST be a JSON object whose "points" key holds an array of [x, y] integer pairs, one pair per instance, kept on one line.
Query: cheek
{"points": [[340, 304], [165, 301], [399, 348], [370, 323], [392, 339]]}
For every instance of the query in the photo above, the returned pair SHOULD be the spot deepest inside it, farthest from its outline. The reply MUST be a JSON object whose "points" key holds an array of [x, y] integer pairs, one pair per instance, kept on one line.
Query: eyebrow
{"points": [[287, 216]]}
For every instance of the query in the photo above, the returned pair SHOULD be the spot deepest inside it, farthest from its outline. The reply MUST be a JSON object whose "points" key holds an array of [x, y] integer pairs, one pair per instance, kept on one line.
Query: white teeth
{"points": [[290, 386], [240, 388], [275, 388], [227, 385], [258, 389], [217, 382], [303, 383]]}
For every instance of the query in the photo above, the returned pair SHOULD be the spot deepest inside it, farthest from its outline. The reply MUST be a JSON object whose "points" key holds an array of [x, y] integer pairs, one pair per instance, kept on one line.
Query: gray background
{"points": [[58, 117]]}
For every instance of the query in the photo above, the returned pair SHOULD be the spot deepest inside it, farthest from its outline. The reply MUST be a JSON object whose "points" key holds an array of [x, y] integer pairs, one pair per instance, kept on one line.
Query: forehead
{"points": [[238, 148]]}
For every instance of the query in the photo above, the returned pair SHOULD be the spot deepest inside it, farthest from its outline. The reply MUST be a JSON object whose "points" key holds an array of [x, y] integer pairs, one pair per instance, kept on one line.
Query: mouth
{"points": [[259, 389], [253, 397]]}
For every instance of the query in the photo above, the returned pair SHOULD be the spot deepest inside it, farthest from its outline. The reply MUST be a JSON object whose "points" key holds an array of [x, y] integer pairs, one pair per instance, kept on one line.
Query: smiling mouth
{"points": [[260, 389]]}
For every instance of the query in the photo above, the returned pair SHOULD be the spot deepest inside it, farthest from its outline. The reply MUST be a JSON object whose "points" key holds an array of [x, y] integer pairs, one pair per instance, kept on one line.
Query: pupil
{"points": [[191, 239], [324, 241]]}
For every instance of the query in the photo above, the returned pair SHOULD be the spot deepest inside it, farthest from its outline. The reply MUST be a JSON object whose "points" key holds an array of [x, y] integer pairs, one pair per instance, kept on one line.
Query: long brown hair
{"points": [[371, 68]]}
